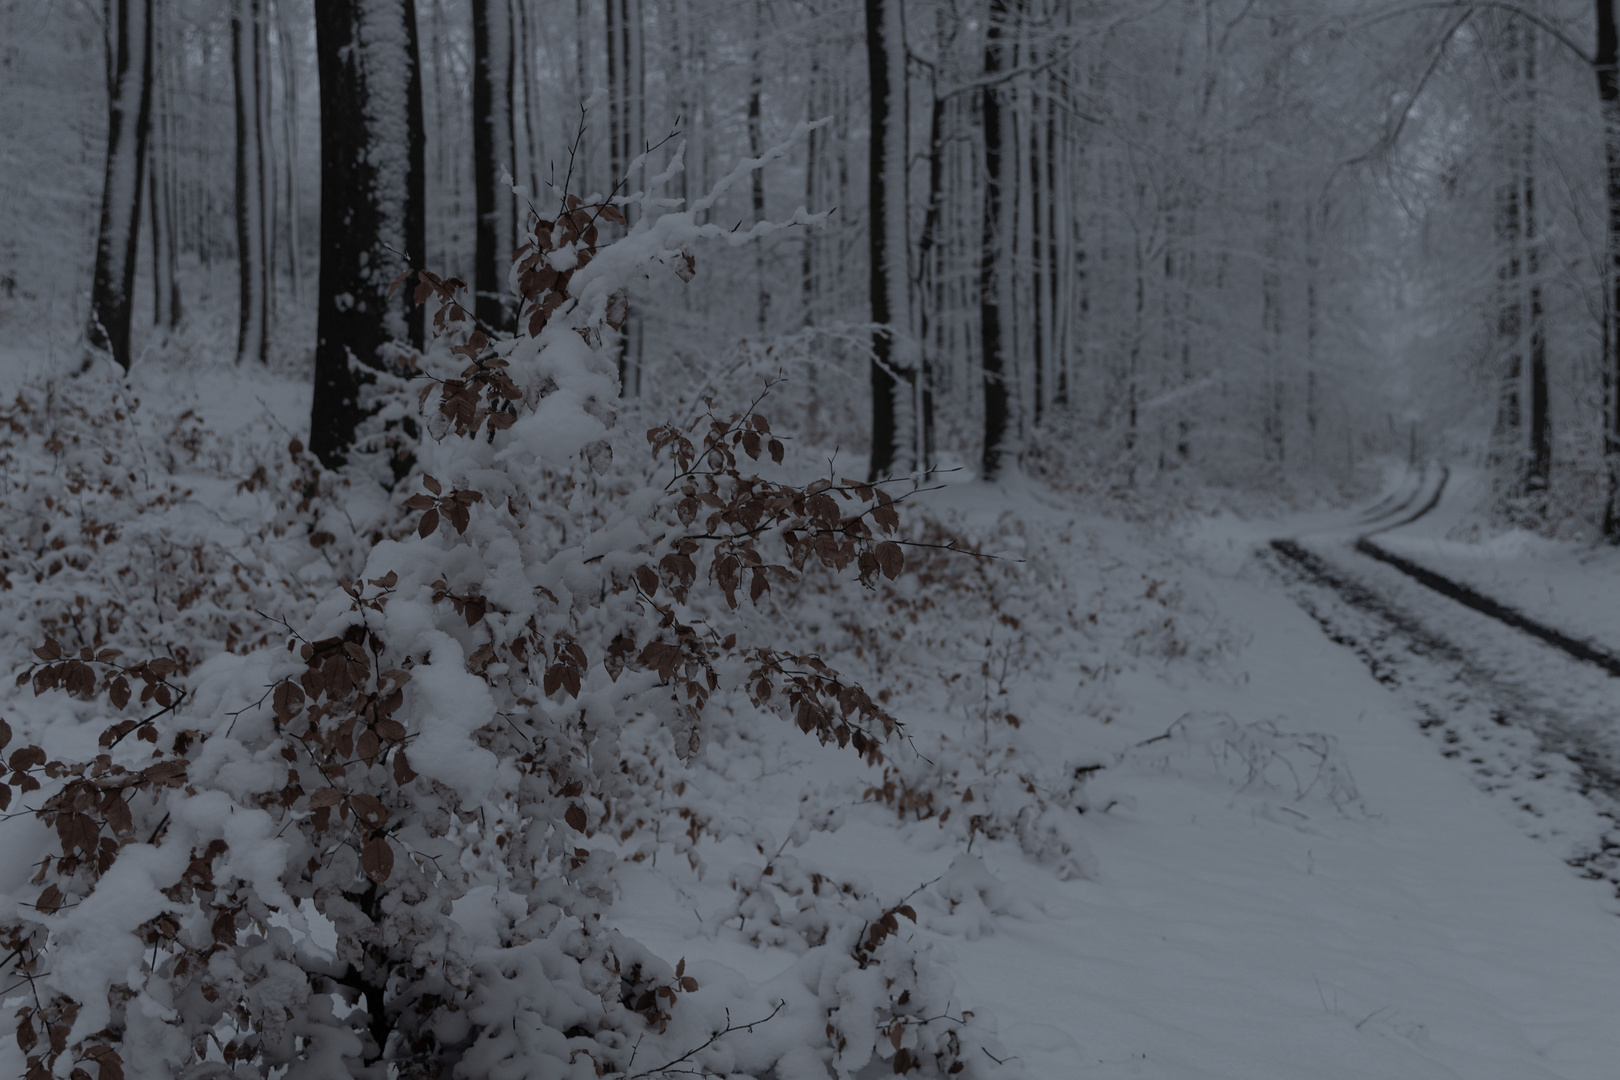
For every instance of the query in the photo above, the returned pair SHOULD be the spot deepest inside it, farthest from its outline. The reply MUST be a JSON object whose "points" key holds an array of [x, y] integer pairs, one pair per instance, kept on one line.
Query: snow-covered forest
{"points": [[800, 539]]}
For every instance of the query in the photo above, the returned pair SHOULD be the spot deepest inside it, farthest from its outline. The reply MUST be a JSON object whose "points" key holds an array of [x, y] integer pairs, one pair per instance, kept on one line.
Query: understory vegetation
{"points": [[338, 773]]}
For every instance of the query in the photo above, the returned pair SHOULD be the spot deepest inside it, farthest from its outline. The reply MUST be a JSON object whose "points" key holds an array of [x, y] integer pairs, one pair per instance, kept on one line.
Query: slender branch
{"points": [[727, 1030], [1474, 5]]}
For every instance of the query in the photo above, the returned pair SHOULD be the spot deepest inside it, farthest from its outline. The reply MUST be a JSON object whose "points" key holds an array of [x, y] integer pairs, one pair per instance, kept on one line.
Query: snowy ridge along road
{"points": [[1527, 706]]}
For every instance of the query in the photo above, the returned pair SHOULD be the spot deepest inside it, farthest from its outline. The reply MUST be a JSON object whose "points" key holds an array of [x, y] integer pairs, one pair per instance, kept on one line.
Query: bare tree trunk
{"points": [[1313, 271], [995, 385], [626, 136], [492, 155], [1508, 450], [160, 189], [893, 374], [291, 207], [756, 147], [1271, 323], [1538, 465], [928, 258], [129, 110], [1037, 306], [524, 53], [1608, 80], [580, 166], [812, 174], [253, 322], [372, 220]]}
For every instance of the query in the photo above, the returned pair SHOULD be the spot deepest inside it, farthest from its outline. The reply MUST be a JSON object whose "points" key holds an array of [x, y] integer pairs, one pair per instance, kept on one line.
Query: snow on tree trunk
{"points": [[129, 108], [371, 204], [893, 368], [492, 154]]}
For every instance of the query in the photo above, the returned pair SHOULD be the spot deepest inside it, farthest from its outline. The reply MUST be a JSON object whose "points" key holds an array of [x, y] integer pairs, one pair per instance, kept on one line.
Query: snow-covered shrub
{"points": [[385, 844], [1257, 756], [106, 540]]}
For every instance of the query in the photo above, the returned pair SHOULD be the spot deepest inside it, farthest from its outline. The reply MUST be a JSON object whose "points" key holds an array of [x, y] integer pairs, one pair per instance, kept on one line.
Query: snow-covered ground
{"points": [[1275, 871], [1247, 912], [1569, 585]]}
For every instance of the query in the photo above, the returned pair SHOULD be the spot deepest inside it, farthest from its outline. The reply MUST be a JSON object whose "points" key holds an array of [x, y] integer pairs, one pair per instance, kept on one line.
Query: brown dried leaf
{"points": [[369, 809], [286, 700], [891, 559], [111, 1065], [377, 859]]}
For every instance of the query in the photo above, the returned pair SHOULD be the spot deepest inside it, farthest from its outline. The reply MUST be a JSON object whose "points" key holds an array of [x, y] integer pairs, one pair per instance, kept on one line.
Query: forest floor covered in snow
{"points": [[1151, 819]]}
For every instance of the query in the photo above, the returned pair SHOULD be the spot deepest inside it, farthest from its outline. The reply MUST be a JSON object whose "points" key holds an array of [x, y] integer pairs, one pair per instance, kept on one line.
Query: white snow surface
{"points": [[1231, 927], [1277, 875]]}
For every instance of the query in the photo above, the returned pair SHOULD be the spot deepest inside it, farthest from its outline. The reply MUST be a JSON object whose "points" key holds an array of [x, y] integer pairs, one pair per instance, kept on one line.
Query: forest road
{"points": [[1528, 707]]}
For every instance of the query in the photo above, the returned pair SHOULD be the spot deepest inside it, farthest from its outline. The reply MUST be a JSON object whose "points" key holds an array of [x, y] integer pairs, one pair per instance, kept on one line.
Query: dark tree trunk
{"points": [[1509, 458], [1040, 316], [161, 180], [756, 147], [892, 373], [253, 322], [492, 154], [1313, 270], [371, 205], [928, 293], [812, 171], [129, 111], [1271, 326], [995, 384], [1538, 465], [290, 171], [1608, 80], [626, 139]]}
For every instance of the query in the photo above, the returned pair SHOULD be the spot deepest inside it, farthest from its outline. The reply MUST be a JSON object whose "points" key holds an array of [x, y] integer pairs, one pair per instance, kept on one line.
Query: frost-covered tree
{"points": [[372, 205], [252, 203], [894, 361], [493, 66], [128, 30], [386, 845]]}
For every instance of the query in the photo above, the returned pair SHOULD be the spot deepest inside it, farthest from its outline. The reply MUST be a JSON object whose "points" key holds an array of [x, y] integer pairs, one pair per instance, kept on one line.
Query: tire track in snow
{"points": [[1563, 782]]}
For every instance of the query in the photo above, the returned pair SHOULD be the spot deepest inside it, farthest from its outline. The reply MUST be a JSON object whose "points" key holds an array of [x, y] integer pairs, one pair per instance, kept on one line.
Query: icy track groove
{"points": [[1534, 726]]}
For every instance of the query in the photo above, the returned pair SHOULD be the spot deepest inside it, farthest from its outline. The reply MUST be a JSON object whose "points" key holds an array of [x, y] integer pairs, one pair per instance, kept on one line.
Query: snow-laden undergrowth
{"points": [[309, 773]]}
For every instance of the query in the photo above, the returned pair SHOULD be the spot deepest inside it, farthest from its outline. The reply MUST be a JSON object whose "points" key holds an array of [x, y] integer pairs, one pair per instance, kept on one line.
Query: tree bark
{"points": [[756, 147], [626, 139], [1538, 464], [492, 154], [290, 206], [253, 320], [893, 373], [129, 110], [1608, 79], [1508, 455], [995, 385], [166, 310], [372, 220]]}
